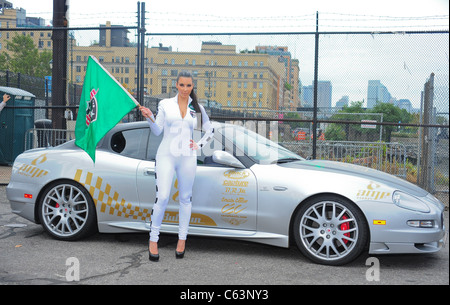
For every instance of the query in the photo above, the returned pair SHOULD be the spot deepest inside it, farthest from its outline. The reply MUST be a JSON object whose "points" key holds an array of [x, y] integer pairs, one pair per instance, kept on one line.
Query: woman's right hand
{"points": [[147, 113]]}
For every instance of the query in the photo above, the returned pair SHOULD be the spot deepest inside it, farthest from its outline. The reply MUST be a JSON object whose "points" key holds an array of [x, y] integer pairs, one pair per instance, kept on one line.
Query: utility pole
{"points": [[59, 69]]}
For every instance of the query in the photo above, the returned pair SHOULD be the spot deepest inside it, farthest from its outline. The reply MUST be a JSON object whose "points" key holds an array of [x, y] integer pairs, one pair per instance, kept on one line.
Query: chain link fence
{"points": [[371, 106]]}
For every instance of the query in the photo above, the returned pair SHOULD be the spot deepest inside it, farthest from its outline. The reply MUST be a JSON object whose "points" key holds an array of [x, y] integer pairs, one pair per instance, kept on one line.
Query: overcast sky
{"points": [[404, 74]]}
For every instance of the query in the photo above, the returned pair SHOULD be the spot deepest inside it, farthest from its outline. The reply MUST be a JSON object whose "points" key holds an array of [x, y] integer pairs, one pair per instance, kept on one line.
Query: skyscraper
{"points": [[324, 93], [377, 93]]}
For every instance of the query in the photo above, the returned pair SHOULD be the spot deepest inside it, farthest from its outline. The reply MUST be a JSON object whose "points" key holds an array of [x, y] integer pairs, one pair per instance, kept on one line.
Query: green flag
{"points": [[104, 102]]}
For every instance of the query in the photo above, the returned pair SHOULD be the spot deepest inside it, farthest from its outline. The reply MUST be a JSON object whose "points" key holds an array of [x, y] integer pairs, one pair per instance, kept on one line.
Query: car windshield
{"points": [[257, 147]]}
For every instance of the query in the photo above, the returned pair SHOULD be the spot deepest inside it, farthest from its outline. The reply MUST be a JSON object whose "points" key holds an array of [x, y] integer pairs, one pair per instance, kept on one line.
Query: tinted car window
{"points": [[204, 155], [131, 143]]}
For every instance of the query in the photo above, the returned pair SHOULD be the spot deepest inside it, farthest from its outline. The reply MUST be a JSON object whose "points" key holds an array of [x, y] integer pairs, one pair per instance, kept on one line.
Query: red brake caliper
{"points": [[345, 226]]}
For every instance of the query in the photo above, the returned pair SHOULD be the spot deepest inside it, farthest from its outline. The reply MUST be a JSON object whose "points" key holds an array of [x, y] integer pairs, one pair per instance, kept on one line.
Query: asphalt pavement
{"points": [[29, 256]]}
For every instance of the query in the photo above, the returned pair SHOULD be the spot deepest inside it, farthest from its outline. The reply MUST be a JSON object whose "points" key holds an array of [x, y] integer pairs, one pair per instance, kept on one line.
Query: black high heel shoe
{"points": [[179, 254], [152, 257]]}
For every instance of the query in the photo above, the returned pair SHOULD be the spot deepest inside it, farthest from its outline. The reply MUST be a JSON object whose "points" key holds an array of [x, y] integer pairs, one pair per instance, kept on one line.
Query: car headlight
{"points": [[409, 202]]}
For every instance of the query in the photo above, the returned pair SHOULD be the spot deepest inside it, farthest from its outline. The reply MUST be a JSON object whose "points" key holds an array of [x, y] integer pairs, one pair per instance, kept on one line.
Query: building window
{"points": [[164, 86]]}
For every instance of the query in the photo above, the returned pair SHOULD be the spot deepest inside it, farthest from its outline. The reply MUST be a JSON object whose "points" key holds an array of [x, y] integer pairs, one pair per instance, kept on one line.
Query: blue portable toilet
{"points": [[14, 122]]}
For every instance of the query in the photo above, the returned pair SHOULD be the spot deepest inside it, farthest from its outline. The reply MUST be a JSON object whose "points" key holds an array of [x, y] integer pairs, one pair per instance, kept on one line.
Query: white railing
{"points": [[44, 137]]}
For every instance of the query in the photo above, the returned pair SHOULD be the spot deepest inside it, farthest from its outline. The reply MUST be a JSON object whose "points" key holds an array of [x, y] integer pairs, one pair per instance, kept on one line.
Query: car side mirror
{"points": [[227, 159]]}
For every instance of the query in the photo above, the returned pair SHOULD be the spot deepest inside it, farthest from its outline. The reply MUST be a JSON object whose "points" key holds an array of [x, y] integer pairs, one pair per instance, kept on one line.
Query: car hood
{"points": [[357, 171]]}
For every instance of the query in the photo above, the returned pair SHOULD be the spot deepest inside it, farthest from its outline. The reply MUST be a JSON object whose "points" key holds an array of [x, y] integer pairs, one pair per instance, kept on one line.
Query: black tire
{"points": [[330, 230], [67, 211]]}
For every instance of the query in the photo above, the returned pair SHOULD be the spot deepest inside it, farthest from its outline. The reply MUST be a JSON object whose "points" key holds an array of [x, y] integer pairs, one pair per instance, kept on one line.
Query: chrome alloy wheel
{"points": [[65, 211], [329, 231]]}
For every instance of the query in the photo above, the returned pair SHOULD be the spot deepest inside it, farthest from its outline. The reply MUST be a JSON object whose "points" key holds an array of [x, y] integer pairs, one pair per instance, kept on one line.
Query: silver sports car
{"points": [[247, 187]]}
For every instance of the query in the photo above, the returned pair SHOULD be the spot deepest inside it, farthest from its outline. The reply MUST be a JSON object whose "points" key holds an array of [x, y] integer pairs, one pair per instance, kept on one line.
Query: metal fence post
{"points": [[426, 160], [316, 73]]}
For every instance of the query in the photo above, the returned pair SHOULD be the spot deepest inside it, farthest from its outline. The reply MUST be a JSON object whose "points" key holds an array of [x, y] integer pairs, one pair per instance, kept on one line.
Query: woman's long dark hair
{"points": [[193, 96]]}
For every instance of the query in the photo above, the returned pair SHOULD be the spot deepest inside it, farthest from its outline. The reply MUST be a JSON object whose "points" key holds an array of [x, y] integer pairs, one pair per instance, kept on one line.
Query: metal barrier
{"points": [[43, 137]]}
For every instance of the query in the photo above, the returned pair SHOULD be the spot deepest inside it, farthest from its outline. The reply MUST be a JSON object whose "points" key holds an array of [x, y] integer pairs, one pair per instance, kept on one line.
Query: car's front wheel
{"points": [[330, 230], [66, 211]]}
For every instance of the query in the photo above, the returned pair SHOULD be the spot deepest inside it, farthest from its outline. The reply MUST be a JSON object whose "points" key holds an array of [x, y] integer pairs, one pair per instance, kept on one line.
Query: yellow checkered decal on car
{"points": [[108, 199]]}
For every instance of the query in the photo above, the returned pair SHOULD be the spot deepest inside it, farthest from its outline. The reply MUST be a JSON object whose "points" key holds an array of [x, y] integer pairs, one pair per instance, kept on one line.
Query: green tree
{"points": [[340, 132], [392, 114], [25, 58]]}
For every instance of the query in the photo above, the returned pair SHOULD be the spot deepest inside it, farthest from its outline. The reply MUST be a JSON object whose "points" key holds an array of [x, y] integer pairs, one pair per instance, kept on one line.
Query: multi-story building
{"points": [[324, 94], [16, 18], [263, 80], [224, 78], [377, 93]]}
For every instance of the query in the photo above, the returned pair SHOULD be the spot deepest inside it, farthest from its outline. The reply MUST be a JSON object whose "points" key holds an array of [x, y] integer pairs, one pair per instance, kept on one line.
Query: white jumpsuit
{"points": [[175, 155]]}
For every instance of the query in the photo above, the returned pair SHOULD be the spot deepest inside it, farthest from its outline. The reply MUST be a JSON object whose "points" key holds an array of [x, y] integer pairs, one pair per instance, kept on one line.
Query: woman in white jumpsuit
{"points": [[177, 117]]}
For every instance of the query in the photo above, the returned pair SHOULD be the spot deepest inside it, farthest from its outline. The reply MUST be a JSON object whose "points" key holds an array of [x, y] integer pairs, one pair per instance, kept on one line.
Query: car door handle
{"points": [[279, 188], [149, 171]]}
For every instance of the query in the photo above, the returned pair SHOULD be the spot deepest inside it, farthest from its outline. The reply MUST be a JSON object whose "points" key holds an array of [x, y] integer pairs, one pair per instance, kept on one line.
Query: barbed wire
{"points": [[326, 20]]}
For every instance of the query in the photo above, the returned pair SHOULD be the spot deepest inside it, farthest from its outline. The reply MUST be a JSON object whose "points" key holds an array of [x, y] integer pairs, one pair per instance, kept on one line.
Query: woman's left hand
{"points": [[193, 145]]}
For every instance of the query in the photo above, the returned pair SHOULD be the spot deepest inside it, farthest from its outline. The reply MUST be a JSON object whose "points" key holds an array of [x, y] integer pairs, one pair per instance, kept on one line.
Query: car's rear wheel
{"points": [[330, 230], [66, 211]]}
